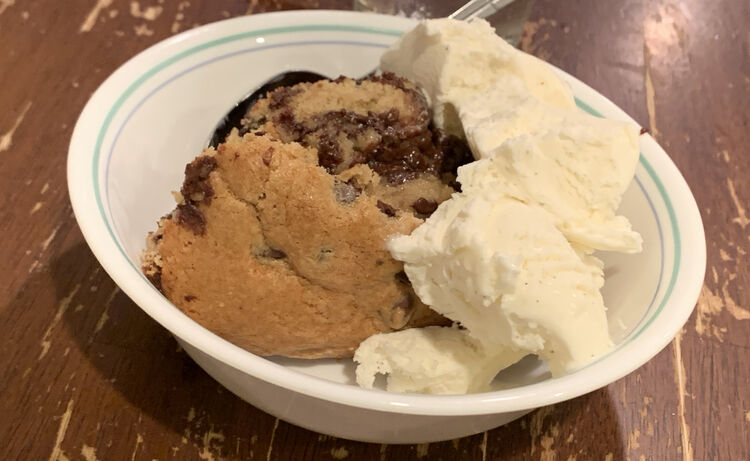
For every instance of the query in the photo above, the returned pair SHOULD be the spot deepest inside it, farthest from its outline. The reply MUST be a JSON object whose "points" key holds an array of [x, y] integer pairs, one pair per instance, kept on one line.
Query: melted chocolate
{"points": [[234, 117], [403, 150], [196, 187], [190, 217]]}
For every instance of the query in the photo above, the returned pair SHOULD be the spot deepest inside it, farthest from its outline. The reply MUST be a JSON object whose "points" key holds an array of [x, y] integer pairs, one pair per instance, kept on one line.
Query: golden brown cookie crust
{"points": [[278, 241], [280, 266]]}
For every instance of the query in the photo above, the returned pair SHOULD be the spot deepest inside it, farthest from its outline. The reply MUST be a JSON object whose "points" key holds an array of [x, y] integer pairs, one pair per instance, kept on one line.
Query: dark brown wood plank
{"points": [[87, 375]]}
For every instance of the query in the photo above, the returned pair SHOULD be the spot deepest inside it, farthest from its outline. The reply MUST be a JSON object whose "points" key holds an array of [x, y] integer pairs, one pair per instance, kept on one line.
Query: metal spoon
{"points": [[472, 9]]}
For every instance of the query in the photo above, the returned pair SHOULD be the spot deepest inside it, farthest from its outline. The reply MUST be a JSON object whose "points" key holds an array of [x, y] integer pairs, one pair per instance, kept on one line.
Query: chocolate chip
{"points": [[345, 193], [329, 153], [386, 209], [196, 187], [259, 133], [424, 206], [189, 298], [645, 130], [288, 121], [267, 156], [200, 167], [280, 97], [190, 217], [274, 253]]}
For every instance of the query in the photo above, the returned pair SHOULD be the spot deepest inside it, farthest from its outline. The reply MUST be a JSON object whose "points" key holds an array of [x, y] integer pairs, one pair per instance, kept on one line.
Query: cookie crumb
{"points": [[386, 209]]}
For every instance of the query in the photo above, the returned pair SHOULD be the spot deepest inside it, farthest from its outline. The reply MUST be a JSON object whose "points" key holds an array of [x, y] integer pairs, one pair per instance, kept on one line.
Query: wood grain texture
{"points": [[87, 375]]}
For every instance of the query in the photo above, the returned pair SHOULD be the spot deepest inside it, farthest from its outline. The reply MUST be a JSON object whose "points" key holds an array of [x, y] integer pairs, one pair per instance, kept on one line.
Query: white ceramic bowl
{"points": [[156, 112]]}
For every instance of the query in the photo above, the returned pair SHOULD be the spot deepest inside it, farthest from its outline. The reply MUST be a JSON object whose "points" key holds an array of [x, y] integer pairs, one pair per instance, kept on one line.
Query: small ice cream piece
{"points": [[505, 272], [454, 61], [440, 360]]}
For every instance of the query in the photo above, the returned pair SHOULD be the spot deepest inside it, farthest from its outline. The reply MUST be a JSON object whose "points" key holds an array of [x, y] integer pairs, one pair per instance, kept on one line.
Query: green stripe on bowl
{"points": [[672, 221]]}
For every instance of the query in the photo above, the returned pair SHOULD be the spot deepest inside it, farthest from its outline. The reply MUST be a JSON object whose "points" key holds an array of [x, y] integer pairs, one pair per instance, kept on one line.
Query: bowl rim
{"points": [[685, 285]]}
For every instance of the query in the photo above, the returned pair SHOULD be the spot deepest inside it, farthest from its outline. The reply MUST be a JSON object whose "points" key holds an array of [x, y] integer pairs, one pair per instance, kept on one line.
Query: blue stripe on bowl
{"points": [[661, 251]]}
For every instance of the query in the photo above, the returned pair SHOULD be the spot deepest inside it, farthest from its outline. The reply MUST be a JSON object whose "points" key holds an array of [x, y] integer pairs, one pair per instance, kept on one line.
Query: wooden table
{"points": [[85, 374]]}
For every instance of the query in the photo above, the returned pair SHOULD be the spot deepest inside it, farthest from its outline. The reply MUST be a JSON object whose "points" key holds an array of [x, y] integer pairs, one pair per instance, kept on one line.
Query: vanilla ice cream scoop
{"points": [[504, 111], [510, 257], [455, 60], [505, 272], [577, 171]]}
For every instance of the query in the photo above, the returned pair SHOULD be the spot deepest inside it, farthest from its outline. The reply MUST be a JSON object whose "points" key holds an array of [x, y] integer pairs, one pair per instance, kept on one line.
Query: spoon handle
{"points": [[479, 9]]}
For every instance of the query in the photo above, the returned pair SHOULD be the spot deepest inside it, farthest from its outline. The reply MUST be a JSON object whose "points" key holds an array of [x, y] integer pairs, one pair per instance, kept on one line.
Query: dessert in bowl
{"points": [[152, 117]]}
